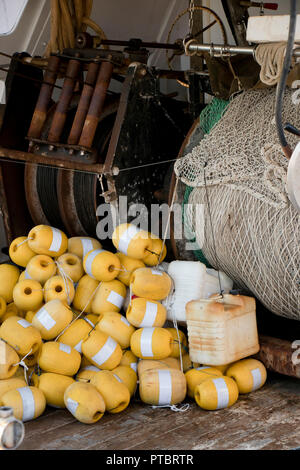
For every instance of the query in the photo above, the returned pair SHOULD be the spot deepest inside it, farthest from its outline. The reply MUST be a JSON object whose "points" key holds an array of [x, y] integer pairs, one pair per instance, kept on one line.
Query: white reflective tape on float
{"points": [[65, 348], [133, 366], [257, 379], [24, 323], [118, 378], [27, 275], [201, 368], [28, 404], [126, 238], [93, 368], [3, 352], [146, 342], [150, 315], [89, 262], [165, 387], [45, 319], [123, 320], [72, 406], [105, 352], [56, 240], [115, 299], [87, 245], [156, 272], [222, 392], [78, 347], [89, 322]]}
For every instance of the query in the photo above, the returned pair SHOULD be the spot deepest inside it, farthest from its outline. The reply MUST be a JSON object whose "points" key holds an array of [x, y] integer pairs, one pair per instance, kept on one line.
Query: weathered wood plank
{"points": [[279, 355]]}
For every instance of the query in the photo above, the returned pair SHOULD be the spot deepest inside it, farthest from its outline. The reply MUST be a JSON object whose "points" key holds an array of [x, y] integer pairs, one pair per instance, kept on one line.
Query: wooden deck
{"points": [[267, 419]]}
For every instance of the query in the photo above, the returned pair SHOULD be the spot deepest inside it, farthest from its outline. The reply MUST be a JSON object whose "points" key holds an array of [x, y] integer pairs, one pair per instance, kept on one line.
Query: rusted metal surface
{"points": [[267, 419], [40, 159], [40, 113], [96, 105], [84, 104], [60, 115], [33, 202], [280, 356]]}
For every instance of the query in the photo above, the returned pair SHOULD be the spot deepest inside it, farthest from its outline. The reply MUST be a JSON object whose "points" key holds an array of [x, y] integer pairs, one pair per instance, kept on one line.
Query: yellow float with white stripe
{"points": [[8, 360], [151, 343], [86, 373], [115, 325], [129, 359], [158, 252], [27, 402], [150, 283], [127, 376], [109, 297], [3, 307], [84, 294], [216, 394], [162, 387], [21, 335], [145, 313], [6, 385], [70, 265], [40, 268], [92, 319], [59, 358], [19, 251], [52, 319], [102, 350], [148, 364], [198, 375], [80, 246], [46, 240], [101, 265], [132, 241], [115, 393], [28, 295], [53, 387], [182, 341], [128, 266], [9, 276], [249, 375], [75, 333], [60, 288], [84, 402]]}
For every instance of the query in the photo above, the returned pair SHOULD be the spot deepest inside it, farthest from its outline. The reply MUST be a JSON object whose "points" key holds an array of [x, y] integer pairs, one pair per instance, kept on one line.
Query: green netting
{"points": [[210, 115]]}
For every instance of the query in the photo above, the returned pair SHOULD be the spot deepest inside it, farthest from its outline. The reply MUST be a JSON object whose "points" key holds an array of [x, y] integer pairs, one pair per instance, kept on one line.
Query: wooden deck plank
{"points": [[266, 419]]}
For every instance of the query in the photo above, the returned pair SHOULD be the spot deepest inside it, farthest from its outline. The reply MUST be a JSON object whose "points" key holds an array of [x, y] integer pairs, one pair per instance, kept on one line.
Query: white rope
{"points": [[22, 364], [175, 408], [271, 58], [24, 241]]}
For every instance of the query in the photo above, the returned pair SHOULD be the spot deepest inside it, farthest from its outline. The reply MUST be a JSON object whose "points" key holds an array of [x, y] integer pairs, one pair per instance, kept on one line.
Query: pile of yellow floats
{"points": [[65, 344]]}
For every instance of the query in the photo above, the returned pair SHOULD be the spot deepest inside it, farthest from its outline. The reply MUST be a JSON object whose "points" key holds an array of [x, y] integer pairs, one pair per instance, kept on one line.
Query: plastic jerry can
{"points": [[222, 330]]}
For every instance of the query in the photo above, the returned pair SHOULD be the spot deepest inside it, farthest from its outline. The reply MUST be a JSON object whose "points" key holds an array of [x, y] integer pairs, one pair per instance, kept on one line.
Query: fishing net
{"points": [[248, 228]]}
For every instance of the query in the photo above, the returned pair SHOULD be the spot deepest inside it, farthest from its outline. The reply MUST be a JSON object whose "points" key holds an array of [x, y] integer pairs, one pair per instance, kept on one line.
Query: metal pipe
{"points": [[11, 429], [223, 49]]}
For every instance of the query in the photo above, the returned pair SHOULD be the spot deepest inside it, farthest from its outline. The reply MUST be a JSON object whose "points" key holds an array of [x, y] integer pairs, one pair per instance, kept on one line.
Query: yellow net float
{"points": [[132, 241], [52, 319], [249, 375], [102, 265], [216, 394], [19, 251], [59, 288], [148, 364], [158, 252], [40, 268], [151, 343], [32, 359], [182, 342], [86, 373], [117, 327], [46, 240], [9, 360], [128, 266], [3, 307], [84, 402], [59, 358], [109, 297], [150, 283], [115, 393], [91, 319], [102, 350], [21, 335], [127, 376], [129, 359], [83, 294], [80, 246], [75, 333], [9, 276], [162, 387], [27, 402], [198, 375], [222, 368], [28, 295], [53, 387], [6, 385], [144, 313], [70, 265]]}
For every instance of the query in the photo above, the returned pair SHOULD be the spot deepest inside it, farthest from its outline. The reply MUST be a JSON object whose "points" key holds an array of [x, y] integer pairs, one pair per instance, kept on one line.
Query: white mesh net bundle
{"points": [[255, 232]]}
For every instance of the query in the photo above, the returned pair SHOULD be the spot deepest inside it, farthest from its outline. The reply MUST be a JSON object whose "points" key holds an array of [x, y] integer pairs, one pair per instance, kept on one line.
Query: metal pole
{"points": [[223, 49]]}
